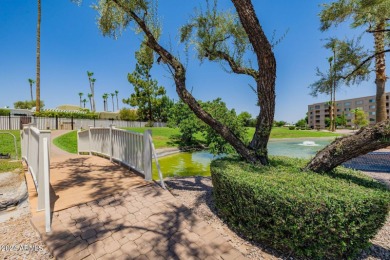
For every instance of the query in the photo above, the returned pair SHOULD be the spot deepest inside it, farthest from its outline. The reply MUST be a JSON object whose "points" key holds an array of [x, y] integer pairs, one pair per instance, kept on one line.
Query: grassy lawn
{"points": [[284, 132], [67, 142], [7, 146], [167, 137], [7, 142], [9, 166]]}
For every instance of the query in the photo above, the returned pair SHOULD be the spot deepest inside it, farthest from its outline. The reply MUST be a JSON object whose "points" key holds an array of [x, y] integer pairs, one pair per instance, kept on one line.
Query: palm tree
{"points": [[112, 99], [38, 79], [92, 87], [375, 16], [90, 99], [31, 81], [105, 97], [81, 95], [84, 101], [117, 102]]}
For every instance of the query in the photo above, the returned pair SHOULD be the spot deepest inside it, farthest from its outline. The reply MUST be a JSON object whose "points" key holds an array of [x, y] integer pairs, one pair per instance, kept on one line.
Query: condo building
{"points": [[319, 111]]}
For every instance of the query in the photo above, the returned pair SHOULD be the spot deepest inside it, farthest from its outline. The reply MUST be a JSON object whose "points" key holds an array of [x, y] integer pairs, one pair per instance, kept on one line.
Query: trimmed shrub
{"points": [[291, 127], [49, 113], [4, 112], [313, 215], [128, 114]]}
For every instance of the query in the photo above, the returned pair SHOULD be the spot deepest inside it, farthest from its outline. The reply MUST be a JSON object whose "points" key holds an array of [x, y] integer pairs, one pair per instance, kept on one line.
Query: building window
{"points": [[371, 101], [317, 107], [311, 117], [372, 119], [347, 109], [311, 108], [338, 104], [372, 113], [372, 107], [338, 110], [347, 104], [359, 102], [347, 114], [349, 120]]}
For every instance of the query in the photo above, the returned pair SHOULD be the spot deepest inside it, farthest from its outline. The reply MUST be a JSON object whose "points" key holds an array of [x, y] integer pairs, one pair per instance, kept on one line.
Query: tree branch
{"points": [[374, 31], [364, 62], [236, 68]]}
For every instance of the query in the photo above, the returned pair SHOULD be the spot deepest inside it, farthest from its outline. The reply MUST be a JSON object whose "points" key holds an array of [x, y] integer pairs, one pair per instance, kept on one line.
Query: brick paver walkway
{"points": [[143, 222]]}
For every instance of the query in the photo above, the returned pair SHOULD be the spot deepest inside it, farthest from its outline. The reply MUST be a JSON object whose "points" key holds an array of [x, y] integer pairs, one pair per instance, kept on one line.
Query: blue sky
{"points": [[71, 44]]}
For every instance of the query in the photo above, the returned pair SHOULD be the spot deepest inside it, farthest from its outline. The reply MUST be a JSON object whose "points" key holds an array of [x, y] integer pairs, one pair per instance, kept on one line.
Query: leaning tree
{"points": [[116, 15]]}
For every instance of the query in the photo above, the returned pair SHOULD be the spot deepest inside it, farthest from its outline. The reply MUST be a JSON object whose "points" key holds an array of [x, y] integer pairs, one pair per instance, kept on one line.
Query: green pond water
{"points": [[198, 163]]}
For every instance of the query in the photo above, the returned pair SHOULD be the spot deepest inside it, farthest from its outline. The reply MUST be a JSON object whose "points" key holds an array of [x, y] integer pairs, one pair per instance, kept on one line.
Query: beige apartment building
{"points": [[319, 111]]}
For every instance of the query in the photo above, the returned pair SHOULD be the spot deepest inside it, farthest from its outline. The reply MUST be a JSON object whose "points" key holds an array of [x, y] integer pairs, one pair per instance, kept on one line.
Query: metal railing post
{"points": [[147, 156]]}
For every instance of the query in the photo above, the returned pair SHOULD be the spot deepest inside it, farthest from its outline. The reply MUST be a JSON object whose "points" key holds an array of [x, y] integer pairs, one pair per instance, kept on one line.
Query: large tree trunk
{"points": [[380, 69], [343, 149], [31, 93], [266, 79], [38, 80]]}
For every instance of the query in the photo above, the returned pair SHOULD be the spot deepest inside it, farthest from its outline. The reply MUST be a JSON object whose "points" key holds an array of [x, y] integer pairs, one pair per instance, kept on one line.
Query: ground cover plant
{"points": [[318, 216], [9, 165]]}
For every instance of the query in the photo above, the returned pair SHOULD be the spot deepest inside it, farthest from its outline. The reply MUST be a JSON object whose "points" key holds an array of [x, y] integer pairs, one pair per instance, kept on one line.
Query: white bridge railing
{"points": [[36, 154], [129, 148]]}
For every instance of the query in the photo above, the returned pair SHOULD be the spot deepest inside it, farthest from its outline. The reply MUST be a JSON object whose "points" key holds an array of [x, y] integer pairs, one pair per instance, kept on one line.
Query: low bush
{"points": [[291, 127], [80, 115], [316, 216], [128, 114], [4, 112]]}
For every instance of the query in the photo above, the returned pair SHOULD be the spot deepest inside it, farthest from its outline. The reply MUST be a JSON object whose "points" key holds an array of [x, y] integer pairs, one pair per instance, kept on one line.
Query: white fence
{"points": [[36, 153], [129, 148], [47, 123]]}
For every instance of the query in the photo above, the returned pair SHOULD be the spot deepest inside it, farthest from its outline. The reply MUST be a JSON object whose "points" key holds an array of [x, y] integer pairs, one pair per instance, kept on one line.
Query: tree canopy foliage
{"points": [[374, 16], [182, 117], [147, 96], [27, 104]]}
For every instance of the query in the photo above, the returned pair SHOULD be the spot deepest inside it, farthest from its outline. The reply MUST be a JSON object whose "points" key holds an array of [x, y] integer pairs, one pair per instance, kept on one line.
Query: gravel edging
{"points": [[19, 240], [196, 194]]}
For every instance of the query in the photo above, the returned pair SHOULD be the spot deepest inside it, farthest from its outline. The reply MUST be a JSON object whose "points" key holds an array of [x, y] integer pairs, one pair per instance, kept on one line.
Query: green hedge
{"points": [[312, 215], [4, 112], [88, 115]]}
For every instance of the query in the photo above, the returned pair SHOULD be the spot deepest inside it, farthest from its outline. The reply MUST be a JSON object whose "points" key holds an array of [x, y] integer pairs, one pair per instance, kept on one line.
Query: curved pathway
{"points": [[105, 211]]}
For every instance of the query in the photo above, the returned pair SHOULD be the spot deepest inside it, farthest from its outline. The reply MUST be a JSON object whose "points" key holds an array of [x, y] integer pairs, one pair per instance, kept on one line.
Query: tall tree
{"points": [[105, 97], [374, 15], [81, 96], [31, 82], [85, 101], [345, 56], [147, 94], [112, 100], [117, 100], [38, 79], [90, 100], [92, 87], [115, 15]]}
